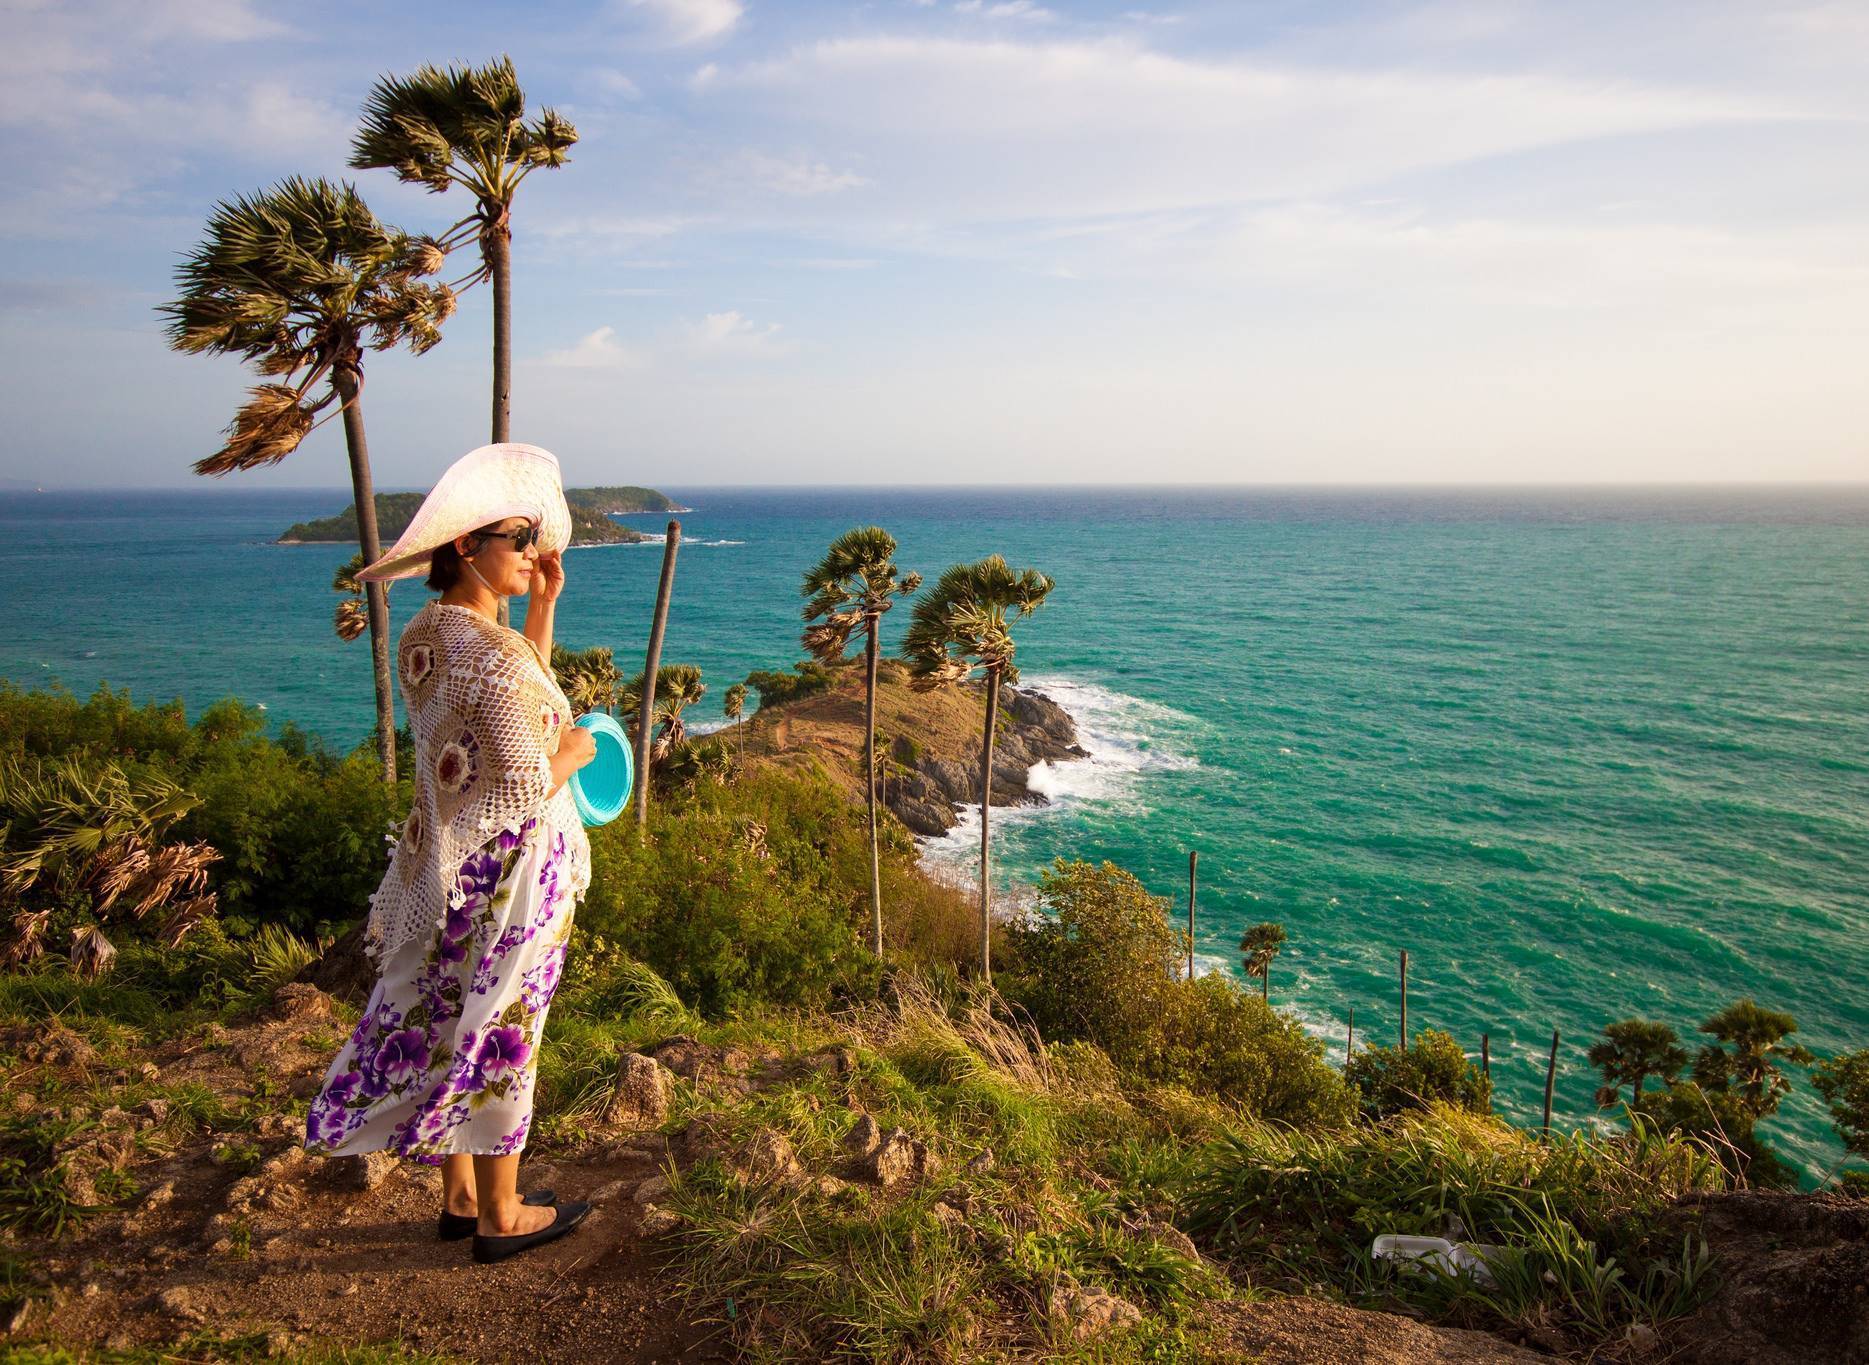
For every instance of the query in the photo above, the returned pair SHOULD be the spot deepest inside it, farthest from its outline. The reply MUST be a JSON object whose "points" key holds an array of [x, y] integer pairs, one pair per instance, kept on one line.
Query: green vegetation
{"points": [[807, 678], [1431, 1070], [1259, 945], [620, 500], [589, 526]]}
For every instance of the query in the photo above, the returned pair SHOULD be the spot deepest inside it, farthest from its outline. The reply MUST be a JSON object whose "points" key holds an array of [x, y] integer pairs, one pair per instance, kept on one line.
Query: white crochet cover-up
{"points": [[487, 718]]}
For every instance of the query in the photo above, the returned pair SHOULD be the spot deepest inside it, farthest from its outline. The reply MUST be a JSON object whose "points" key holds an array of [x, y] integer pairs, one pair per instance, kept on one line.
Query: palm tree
{"points": [[1632, 1050], [850, 589], [589, 677], [352, 617], [732, 705], [1747, 1068], [677, 687], [960, 625], [298, 280], [467, 126], [1259, 945]]}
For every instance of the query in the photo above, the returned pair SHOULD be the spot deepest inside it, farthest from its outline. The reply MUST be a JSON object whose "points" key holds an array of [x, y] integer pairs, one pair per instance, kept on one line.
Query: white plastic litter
{"points": [[1421, 1255]]}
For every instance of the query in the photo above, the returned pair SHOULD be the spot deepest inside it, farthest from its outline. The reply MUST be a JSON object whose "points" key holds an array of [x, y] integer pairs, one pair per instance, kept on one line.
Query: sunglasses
{"points": [[522, 538]]}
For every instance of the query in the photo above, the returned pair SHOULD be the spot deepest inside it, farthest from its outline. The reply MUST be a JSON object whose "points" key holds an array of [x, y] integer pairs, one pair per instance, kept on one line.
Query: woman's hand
{"points": [[577, 744], [548, 577]]}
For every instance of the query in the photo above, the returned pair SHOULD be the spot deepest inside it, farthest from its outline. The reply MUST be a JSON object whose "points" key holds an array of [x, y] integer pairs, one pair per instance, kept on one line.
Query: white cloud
{"points": [[615, 84], [682, 23], [792, 175], [1004, 129], [1006, 9], [598, 350], [731, 333]]}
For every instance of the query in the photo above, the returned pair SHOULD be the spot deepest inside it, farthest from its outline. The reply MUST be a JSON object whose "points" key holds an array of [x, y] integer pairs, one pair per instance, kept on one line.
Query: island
{"points": [[591, 513]]}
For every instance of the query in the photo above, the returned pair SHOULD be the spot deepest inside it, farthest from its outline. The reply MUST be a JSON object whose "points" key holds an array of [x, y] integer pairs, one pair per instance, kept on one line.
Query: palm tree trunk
{"points": [[363, 495], [645, 711], [870, 623], [986, 802], [500, 260]]}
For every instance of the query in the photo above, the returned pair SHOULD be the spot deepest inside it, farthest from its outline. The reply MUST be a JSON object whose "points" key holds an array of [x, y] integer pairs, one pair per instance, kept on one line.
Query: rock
{"points": [[1082, 1314], [683, 1055], [179, 1303], [949, 1217], [361, 1173], [769, 1157], [300, 1002], [608, 1194], [155, 1108], [980, 1163], [658, 1222], [864, 1136], [639, 1098], [654, 1188], [829, 1186], [149, 1071], [897, 1158]]}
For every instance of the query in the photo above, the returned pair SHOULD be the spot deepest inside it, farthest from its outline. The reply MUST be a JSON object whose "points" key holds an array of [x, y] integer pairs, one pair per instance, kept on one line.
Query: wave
{"points": [[1128, 739], [655, 538]]}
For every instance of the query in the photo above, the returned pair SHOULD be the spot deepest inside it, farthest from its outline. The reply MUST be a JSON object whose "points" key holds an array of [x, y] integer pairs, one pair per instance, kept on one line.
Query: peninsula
{"points": [[591, 513]]}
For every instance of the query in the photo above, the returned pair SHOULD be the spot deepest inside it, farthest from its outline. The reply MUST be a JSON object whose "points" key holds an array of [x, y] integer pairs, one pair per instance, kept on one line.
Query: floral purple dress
{"points": [[445, 1057]]}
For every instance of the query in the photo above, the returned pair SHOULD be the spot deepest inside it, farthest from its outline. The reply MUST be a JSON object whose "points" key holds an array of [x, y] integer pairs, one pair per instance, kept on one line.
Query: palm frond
{"points": [[961, 622]]}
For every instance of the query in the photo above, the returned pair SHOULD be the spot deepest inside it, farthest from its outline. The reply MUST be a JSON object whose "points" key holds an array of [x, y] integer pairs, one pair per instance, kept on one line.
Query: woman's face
{"points": [[509, 571]]}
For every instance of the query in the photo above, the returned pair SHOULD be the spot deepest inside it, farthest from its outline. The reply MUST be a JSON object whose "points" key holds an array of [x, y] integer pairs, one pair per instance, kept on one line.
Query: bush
{"points": [[1430, 1070], [300, 830], [743, 891], [807, 678], [1100, 966], [1843, 1081], [1724, 1122]]}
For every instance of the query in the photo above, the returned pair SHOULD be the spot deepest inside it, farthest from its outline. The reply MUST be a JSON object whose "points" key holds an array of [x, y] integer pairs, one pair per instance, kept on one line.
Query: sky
{"points": [[1000, 241]]}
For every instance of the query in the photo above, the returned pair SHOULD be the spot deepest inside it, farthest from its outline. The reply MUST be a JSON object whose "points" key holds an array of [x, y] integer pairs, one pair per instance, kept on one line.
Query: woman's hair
{"points": [[444, 567]]}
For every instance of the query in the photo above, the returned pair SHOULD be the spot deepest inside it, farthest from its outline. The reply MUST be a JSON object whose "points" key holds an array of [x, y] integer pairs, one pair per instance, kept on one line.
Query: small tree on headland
{"points": [[298, 281], [959, 625], [1632, 1050], [1258, 946], [466, 126], [732, 705], [588, 676], [850, 589], [1747, 1066]]}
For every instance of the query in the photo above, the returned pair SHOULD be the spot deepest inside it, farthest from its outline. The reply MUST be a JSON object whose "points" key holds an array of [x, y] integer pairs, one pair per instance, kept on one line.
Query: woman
{"points": [[470, 925]]}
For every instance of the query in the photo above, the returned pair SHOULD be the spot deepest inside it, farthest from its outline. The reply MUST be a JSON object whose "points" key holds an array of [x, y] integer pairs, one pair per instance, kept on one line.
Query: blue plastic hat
{"points": [[601, 787]]}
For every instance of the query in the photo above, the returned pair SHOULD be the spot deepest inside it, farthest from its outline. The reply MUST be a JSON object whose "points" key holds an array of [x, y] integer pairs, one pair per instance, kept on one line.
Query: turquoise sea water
{"points": [[1583, 754]]}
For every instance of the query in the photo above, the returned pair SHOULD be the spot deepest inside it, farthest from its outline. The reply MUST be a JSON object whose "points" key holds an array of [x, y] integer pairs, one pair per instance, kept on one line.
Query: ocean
{"points": [[1583, 754]]}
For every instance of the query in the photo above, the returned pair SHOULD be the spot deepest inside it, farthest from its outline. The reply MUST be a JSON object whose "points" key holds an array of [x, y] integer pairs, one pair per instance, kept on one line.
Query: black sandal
{"points": [[452, 1227], [488, 1249]]}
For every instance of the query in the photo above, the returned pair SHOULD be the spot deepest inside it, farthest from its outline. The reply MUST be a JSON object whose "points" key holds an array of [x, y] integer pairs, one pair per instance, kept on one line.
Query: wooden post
{"points": [[1349, 1042], [1486, 1055], [1194, 859], [1404, 998], [1550, 1080], [646, 709]]}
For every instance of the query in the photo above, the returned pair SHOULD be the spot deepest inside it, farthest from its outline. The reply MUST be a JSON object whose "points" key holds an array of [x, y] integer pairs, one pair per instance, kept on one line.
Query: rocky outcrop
{"points": [[923, 789]]}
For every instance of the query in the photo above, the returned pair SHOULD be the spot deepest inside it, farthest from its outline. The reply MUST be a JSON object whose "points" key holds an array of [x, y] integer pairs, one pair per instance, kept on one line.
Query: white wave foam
{"points": [[653, 539], [1127, 737]]}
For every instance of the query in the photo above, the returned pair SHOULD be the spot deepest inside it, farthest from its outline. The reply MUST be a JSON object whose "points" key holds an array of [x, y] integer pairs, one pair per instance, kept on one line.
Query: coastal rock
{"points": [[300, 1002], [1081, 1314], [896, 1159], [360, 1174]]}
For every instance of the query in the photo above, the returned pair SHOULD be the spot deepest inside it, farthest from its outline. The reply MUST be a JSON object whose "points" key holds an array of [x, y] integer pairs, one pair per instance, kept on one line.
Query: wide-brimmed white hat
{"points": [[484, 486]]}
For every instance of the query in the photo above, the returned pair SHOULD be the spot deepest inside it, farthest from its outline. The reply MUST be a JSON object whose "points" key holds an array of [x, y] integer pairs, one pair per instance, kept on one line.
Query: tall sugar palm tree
{"points": [[466, 126], [850, 589], [959, 625], [352, 617], [299, 280], [732, 705]]}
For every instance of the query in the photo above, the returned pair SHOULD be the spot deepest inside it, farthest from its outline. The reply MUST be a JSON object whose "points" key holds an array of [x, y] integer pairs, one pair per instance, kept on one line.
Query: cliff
{"points": [[591, 510], [927, 743]]}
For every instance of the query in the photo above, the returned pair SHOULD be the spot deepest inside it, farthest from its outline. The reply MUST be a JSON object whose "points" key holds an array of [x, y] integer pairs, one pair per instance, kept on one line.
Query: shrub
{"points": [[1100, 965], [807, 678], [1723, 1121], [1843, 1081], [1430, 1070], [743, 891]]}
